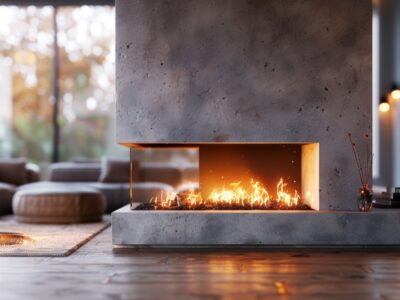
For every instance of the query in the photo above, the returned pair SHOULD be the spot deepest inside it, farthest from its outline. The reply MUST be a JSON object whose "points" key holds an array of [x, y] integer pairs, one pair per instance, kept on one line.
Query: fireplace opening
{"points": [[241, 176]]}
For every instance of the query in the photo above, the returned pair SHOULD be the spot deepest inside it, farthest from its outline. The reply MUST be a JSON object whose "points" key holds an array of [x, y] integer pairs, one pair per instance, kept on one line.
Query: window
{"points": [[25, 82], [86, 38], [86, 79]]}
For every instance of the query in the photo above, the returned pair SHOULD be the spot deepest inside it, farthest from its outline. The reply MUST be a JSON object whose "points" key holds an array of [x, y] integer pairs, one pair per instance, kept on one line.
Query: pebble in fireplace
{"points": [[239, 176]]}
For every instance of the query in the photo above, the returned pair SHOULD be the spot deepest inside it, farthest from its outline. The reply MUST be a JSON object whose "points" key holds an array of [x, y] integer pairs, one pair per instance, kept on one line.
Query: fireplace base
{"points": [[254, 228]]}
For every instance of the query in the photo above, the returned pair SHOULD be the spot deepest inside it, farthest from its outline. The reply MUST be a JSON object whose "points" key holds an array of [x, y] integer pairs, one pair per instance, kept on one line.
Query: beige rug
{"points": [[50, 240]]}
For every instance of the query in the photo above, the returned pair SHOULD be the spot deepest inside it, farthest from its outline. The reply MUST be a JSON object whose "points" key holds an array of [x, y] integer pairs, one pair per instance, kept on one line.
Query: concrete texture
{"points": [[274, 228], [249, 71]]}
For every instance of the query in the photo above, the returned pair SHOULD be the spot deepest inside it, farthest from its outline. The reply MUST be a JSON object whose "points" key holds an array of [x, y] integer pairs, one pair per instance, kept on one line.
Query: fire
{"points": [[235, 196]]}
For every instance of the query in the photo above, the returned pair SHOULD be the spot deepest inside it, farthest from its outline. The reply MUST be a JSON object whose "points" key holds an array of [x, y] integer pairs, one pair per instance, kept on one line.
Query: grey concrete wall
{"points": [[271, 70]]}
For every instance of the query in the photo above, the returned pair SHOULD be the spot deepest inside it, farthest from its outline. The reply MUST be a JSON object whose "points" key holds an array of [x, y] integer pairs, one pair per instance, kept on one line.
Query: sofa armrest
{"points": [[32, 173]]}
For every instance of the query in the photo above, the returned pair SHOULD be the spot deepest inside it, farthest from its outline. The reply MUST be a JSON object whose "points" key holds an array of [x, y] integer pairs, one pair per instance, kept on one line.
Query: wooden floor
{"points": [[95, 272]]}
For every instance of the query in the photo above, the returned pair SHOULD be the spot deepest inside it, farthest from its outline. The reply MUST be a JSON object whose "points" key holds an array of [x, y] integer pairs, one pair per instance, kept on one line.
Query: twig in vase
{"points": [[357, 158], [368, 164]]}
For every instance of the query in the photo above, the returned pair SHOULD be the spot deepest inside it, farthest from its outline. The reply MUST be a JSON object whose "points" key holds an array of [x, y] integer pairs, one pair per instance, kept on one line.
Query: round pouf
{"points": [[59, 205]]}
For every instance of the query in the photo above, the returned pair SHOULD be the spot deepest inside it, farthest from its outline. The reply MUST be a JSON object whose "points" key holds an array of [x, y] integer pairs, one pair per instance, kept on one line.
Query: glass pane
{"points": [[87, 82], [25, 82]]}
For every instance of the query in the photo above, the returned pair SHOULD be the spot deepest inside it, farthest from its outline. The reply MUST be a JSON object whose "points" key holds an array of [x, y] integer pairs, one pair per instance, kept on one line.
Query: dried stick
{"points": [[357, 158], [368, 159]]}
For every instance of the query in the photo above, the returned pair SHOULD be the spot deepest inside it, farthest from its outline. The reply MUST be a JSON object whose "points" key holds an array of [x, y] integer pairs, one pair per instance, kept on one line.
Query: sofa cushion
{"points": [[12, 171], [7, 192], [188, 187], [72, 172], [117, 170], [160, 172], [144, 191], [191, 174], [118, 194]]}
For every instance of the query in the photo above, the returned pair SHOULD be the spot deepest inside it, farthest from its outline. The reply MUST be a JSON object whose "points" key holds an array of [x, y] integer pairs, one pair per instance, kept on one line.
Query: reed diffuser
{"points": [[364, 167]]}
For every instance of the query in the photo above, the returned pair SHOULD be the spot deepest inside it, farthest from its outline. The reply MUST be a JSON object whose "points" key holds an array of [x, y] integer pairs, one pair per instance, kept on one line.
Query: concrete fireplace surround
{"points": [[250, 71]]}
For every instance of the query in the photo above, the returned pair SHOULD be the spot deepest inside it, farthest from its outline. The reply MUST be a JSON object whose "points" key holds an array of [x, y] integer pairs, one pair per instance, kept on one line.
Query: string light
{"points": [[384, 105], [395, 93]]}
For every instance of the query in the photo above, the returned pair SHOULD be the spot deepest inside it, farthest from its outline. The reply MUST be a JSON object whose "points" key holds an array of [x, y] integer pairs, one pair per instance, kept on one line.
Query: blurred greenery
{"points": [[87, 103]]}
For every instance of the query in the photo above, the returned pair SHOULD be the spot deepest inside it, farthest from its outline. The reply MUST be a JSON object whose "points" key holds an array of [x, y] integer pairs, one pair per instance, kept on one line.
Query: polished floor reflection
{"points": [[96, 272]]}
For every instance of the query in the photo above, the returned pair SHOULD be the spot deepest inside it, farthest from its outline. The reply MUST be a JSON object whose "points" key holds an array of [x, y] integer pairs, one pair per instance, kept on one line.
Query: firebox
{"points": [[241, 176]]}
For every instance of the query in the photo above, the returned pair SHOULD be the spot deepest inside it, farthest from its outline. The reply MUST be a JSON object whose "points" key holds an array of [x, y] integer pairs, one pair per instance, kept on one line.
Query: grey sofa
{"points": [[28, 173], [151, 180]]}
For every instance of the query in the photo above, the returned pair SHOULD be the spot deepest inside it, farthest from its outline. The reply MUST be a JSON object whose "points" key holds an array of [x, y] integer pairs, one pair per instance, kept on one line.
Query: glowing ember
{"points": [[233, 197]]}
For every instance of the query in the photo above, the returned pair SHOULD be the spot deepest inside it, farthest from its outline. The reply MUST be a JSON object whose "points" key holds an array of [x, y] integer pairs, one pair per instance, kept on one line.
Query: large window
{"points": [[25, 82], [86, 39], [86, 48]]}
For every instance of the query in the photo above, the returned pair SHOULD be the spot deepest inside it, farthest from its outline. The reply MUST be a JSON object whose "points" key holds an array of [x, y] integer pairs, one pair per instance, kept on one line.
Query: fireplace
{"points": [[244, 176], [233, 72], [267, 93]]}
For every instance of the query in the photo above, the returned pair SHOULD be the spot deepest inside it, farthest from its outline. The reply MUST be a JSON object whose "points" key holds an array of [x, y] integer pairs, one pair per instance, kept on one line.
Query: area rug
{"points": [[49, 240]]}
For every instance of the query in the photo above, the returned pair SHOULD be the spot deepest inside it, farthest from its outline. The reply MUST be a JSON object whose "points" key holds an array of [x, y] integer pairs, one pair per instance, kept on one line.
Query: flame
{"points": [[233, 196]]}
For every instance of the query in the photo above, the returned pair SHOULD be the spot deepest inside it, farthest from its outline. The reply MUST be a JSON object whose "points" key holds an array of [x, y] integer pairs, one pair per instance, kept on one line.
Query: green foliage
{"points": [[31, 138]]}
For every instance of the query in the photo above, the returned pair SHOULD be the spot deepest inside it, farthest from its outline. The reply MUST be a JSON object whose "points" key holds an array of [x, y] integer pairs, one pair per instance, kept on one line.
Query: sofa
{"points": [[14, 173], [150, 179]]}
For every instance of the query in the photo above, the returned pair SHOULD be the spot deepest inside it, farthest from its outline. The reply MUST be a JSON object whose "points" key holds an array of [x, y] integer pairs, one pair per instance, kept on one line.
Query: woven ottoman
{"points": [[59, 205]]}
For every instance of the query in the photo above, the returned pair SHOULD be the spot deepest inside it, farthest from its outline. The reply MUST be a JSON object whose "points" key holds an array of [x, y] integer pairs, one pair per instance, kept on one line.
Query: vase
{"points": [[364, 200]]}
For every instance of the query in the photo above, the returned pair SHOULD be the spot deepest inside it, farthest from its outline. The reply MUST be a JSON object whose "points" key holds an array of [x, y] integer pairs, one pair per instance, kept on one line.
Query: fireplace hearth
{"points": [[253, 228]]}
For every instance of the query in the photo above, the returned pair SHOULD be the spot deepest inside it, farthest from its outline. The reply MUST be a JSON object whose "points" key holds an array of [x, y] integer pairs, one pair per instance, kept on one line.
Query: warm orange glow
{"points": [[395, 94], [384, 107], [14, 238], [235, 196], [281, 288]]}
